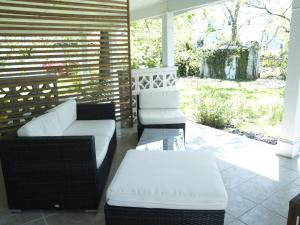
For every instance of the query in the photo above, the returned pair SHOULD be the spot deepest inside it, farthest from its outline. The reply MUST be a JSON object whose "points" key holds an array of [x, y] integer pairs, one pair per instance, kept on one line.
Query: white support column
{"points": [[168, 39], [289, 143]]}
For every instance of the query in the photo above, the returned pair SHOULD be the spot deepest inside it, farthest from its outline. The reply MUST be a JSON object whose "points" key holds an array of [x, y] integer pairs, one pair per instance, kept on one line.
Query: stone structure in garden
{"points": [[232, 63]]}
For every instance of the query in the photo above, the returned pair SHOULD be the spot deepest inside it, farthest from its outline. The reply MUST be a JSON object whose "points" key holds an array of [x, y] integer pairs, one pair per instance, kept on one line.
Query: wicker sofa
{"points": [[60, 160], [159, 109]]}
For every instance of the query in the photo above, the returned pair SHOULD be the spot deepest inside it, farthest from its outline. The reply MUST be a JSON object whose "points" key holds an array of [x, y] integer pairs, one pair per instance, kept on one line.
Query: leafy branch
{"points": [[282, 15], [265, 8]]}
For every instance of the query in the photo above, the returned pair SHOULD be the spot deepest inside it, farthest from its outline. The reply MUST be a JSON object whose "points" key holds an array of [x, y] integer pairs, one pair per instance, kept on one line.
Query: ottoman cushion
{"points": [[168, 180]]}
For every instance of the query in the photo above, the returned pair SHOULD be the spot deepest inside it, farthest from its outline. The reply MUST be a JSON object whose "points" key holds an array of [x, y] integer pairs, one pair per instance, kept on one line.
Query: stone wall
{"points": [[232, 63]]}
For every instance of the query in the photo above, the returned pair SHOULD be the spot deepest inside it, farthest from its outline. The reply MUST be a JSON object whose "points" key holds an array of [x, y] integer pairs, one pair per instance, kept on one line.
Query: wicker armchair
{"points": [[57, 172]]}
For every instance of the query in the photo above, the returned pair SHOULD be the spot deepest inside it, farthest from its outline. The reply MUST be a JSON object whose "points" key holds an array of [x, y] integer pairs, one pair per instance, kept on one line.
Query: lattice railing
{"points": [[21, 99], [155, 78]]}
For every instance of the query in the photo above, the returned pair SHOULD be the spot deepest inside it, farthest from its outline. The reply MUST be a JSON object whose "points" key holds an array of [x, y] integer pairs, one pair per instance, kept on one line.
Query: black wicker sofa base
{"points": [[57, 172], [115, 215]]}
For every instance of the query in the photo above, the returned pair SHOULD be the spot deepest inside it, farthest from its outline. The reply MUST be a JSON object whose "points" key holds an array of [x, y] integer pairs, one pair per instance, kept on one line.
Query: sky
{"points": [[252, 23]]}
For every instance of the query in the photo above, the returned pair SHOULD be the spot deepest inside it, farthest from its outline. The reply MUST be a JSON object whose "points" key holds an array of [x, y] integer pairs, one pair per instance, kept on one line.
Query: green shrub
{"points": [[279, 60], [188, 59], [215, 109], [277, 113]]}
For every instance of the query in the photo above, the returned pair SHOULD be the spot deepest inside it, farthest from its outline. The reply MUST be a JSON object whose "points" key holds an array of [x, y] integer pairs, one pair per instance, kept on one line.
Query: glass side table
{"points": [[162, 140]]}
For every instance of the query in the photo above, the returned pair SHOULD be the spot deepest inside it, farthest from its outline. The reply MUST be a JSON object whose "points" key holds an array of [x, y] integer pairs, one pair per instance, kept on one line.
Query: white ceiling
{"points": [[141, 9], [140, 4]]}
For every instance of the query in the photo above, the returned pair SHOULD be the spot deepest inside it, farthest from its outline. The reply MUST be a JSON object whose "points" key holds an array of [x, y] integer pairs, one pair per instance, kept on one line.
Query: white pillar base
{"points": [[288, 148]]}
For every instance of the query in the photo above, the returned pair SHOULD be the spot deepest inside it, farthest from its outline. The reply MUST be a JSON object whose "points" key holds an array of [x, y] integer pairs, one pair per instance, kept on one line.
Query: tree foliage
{"points": [[187, 56], [146, 43]]}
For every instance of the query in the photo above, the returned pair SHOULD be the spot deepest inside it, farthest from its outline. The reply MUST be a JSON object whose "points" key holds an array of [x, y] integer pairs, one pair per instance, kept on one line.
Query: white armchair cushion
{"points": [[157, 99], [44, 125], [161, 116], [91, 127], [66, 113], [101, 145]]}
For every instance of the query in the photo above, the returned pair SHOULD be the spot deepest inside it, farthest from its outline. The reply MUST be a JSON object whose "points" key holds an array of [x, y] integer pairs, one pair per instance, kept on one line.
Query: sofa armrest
{"points": [[50, 150], [49, 172], [96, 111]]}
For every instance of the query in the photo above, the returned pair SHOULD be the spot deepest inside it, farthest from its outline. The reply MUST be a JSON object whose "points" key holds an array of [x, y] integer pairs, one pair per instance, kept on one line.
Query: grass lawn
{"points": [[254, 106]]}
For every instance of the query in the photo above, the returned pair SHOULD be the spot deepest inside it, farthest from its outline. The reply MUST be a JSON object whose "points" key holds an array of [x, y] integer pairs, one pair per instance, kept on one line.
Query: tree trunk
{"points": [[234, 18]]}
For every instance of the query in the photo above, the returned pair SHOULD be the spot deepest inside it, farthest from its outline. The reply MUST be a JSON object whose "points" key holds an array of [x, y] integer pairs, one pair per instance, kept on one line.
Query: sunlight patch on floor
{"points": [[254, 156]]}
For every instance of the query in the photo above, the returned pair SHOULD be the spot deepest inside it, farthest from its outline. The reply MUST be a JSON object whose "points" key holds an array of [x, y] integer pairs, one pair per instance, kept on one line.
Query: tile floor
{"points": [[259, 183]]}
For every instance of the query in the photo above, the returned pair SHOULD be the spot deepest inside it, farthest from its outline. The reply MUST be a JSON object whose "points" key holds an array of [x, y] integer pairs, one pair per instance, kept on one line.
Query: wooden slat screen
{"points": [[52, 50]]}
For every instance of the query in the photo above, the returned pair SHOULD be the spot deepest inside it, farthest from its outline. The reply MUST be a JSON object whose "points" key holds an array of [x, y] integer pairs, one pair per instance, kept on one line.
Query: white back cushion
{"points": [[157, 99], [91, 127], [44, 125], [66, 113]]}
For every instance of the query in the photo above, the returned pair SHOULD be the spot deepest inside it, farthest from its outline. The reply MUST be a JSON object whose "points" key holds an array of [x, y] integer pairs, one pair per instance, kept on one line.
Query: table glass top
{"points": [[162, 139]]}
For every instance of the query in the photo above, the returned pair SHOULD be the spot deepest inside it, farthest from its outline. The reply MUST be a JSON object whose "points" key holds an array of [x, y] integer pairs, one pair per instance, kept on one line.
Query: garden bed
{"points": [[252, 135]]}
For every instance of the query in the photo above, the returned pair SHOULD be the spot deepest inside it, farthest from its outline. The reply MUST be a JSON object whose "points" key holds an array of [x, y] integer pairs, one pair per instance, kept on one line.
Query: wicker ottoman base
{"points": [[115, 215]]}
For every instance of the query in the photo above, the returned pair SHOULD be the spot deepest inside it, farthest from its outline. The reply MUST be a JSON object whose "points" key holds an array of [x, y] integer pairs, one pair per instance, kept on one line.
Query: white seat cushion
{"points": [[66, 113], [44, 125], [168, 180], [157, 99], [91, 127], [101, 145], [161, 116]]}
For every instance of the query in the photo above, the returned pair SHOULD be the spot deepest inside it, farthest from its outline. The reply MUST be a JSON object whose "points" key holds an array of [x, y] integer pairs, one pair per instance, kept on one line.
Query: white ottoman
{"points": [[166, 187]]}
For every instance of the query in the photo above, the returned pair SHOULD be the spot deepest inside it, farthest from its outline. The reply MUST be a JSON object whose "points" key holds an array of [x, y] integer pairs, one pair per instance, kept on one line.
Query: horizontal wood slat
{"points": [[95, 49], [59, 45], [39, 35], [93, 26], [83, 54], [73, 79], [52, 50], [64, 29], [64, 19], [126, 3], [101, 65], [81, 4], [66, 61], [58, 15], [70, 74], [96, 8]]}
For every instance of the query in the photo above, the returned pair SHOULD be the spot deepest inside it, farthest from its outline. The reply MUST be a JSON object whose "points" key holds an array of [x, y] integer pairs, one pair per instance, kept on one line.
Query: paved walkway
{"points": [[259, 183]]}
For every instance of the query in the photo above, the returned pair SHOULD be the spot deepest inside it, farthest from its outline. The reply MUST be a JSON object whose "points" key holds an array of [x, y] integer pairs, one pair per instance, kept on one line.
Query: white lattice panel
{"points": [[156, 78]]}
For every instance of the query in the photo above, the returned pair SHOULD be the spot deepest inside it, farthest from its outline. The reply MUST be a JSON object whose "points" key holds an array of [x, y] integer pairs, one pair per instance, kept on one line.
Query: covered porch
{"points": [[258, 181]]}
